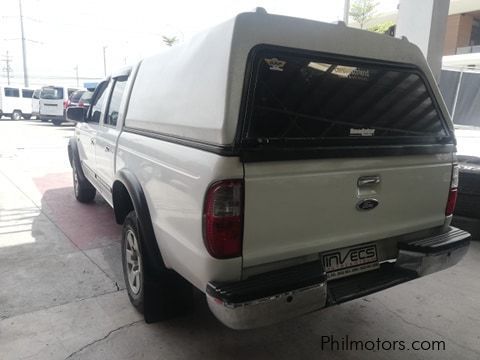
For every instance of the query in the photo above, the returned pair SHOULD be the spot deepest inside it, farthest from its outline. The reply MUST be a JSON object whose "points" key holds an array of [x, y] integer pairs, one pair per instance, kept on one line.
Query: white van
{"points": [[15, 102], [36, 103], [53, 103]]}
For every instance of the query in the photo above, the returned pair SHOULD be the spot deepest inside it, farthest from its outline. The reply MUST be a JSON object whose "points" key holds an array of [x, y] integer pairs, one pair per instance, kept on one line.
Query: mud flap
{"points": [[166, 296]]}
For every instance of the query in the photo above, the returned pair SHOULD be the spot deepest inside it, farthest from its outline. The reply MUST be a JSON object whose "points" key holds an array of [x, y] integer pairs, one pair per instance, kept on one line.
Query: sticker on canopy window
{"points": [[275, 64], [362, 132]]}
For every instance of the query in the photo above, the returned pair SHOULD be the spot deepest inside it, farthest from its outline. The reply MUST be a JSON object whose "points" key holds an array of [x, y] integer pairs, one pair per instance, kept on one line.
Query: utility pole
{"points": [[346, 11], [104, 62], [24, 51], [76, 73], [7, 68]]}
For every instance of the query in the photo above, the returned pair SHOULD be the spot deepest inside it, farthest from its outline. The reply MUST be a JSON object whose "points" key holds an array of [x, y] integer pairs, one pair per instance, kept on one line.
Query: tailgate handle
{"points": [[368, 180]]}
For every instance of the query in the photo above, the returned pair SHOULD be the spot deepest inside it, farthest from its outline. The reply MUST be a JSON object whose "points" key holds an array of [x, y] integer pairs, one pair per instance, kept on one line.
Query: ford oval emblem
{"points": [[367, 204]]}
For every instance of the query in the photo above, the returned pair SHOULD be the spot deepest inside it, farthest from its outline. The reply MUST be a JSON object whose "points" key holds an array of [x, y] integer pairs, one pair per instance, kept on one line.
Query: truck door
{"points": [[107, 135], [86, 132]]}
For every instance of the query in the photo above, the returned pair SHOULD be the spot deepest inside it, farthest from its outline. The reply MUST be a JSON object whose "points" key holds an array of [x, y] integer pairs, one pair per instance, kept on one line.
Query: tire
{"points": [[468, 205], [468, 202], [57, 122], [158, 294], [83, 190], [133, 260], [468, 224], [16, 115], [27, 117], [469, 180]]}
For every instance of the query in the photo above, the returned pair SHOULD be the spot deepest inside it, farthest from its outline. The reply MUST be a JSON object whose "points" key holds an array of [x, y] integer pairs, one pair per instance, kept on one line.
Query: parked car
{"points": [[36, 103], [85, 99], [15, 102], [467, 212], [278, 165], [74, 98], [53, 103]]}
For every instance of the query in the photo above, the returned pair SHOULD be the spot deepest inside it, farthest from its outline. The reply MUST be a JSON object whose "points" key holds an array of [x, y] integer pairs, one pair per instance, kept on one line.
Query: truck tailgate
{"points": [[295, 208]]}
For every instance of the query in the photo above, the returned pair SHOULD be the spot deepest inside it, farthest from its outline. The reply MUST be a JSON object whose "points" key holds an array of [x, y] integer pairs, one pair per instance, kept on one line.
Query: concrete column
{"points": [[424, 23]]}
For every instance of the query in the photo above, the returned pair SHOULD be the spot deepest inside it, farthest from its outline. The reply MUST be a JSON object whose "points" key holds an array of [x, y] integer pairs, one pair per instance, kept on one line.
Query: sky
{"points": [[64, 34]]}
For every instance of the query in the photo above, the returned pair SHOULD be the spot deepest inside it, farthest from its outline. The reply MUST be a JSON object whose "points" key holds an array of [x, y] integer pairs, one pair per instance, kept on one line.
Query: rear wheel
{"points": [[16, 115], [132, 260], [84, 191], [57, 122], [159, 294]]}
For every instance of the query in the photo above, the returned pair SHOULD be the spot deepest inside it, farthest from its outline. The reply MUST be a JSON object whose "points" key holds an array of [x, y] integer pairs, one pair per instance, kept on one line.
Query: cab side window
{"points": [[115, 100], [97, 104]]}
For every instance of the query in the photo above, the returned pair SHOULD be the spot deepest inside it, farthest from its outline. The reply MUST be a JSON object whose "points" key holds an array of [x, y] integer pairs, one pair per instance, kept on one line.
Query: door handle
{"points": [[107, 148], [368, 180], [92, 141]]}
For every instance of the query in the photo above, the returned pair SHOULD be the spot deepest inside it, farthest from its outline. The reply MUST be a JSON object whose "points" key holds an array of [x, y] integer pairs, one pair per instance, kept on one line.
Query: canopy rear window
{"points": [[301, 99]]}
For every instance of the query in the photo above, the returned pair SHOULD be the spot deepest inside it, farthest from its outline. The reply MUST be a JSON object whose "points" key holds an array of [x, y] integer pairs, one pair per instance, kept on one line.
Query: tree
{"points": [[169, 40], [362, 11], [382, 28]]}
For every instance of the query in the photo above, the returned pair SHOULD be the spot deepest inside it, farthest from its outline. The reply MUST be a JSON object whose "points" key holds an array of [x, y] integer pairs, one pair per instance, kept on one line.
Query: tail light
{"points": [[223, 219], [452, 195], [65, 103]]}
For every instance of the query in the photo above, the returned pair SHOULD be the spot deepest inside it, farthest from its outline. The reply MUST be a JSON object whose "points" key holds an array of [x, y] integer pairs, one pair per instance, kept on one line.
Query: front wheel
{"points": [[84, 191], [27, 117]]}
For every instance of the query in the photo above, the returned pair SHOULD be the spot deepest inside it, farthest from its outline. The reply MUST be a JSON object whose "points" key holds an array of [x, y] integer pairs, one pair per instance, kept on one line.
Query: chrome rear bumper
{"points": [[269, 310], [279, 295]]}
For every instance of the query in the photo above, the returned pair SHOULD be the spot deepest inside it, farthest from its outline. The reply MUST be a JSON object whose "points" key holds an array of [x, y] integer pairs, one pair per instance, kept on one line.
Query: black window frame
{"points": [[104, 84], [251, 151]]}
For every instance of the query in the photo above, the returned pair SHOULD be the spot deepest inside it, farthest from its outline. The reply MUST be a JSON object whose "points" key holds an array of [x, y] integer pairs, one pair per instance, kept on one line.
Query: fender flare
{"points": [[74, 157], [139, 201]]}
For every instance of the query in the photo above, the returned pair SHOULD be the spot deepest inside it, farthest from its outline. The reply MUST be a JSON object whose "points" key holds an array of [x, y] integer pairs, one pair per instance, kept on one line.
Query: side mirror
{"points": [[76, 114]]}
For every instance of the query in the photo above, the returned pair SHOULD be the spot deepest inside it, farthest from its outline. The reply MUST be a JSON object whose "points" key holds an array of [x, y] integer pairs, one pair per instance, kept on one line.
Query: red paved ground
{"points": [[87, 225]]}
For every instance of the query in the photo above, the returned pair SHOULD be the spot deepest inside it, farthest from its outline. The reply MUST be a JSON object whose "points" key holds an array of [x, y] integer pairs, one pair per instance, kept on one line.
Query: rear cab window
{"points": [[298, 100]]}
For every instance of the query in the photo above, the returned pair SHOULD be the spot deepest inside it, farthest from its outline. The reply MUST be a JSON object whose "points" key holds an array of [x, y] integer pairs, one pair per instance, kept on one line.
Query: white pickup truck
{"points": [[278, 165]]}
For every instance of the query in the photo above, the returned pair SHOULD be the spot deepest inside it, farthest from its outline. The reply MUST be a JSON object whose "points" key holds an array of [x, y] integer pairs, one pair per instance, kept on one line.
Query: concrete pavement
{"points": [[62, 291]]}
